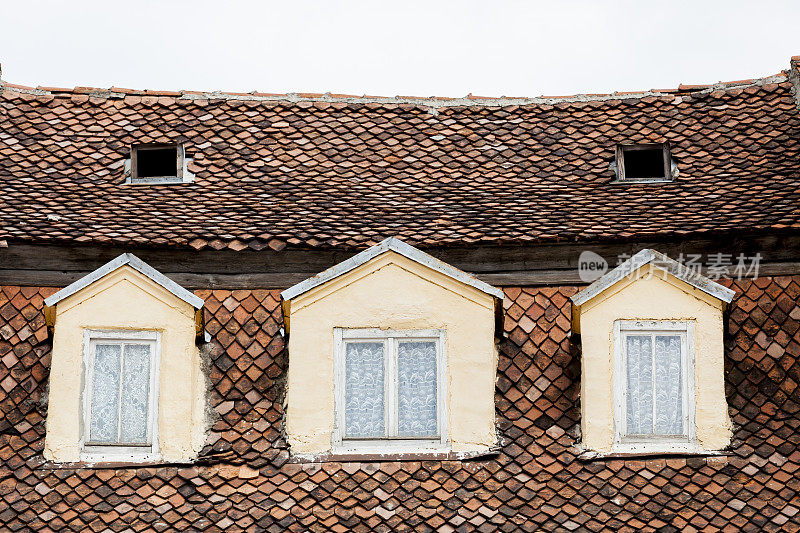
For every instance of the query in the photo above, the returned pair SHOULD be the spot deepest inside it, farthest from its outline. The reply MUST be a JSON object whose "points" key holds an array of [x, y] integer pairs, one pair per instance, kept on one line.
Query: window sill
{"points": [[101, 457], [85, 464], [640, 181], [375, 457], [157, 181], [588, 455]]}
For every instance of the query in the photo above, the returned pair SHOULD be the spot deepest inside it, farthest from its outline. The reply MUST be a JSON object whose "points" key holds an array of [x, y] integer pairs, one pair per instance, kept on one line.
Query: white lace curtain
{"points": [[364, 412], [412, 390], [416, 377], [654, 375], [120, 394]]}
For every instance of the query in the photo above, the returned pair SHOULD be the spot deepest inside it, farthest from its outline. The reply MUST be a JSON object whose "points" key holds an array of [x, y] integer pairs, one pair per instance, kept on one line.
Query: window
{"points": [[120, 395], [154, 163], [654, 385], [389, 389], [644, 162]]}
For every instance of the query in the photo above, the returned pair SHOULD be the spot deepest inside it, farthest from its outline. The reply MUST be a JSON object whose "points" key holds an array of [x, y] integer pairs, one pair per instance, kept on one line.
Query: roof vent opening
{"points": [[644, 162], [157, 163]]}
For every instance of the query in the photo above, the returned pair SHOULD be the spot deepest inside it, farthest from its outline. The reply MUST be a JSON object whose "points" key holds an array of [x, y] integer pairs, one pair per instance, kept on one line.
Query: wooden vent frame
{"points": [[179, 162]]}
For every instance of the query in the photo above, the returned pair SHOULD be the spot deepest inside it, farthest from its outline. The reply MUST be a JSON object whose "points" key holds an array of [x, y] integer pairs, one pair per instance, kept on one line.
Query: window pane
{"points": [[640, 384], [416, 373], [668, 389], [364, 390], [105, 393], [135, 393]]}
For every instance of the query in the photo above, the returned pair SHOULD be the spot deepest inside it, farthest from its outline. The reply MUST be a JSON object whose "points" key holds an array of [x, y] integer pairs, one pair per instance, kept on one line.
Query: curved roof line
{"points": [[395, 245], [432, 102]]}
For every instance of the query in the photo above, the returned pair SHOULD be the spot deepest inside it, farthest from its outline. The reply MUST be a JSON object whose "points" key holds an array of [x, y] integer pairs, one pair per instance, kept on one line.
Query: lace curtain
{"points": [[412, 390], [135, 393], [364, 415], [416, 375], [120, 389], [654, 404], [105, 393]]}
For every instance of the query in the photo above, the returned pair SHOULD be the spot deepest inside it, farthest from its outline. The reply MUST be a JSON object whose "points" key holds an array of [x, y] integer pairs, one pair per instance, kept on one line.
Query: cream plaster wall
{"points": [[126, 299], [392, 292], [652, 298]]}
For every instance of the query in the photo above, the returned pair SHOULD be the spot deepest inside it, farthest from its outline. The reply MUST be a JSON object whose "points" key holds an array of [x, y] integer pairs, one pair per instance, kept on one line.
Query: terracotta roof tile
{"points": [[341, 171], [536, 483]]}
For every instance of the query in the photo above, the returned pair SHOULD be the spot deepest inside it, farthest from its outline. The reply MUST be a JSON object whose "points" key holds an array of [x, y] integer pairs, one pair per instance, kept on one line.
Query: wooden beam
{"points": [[193, 280], [553, 264]]}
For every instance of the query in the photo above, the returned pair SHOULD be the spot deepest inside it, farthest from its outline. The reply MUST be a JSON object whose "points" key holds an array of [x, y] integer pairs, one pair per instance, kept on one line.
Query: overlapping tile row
{"points": [[348, 172], [536, 483]]}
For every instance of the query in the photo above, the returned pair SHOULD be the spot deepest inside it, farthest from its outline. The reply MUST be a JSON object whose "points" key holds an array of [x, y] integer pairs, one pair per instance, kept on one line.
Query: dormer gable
{"points": [[391, 352], [126, 381]]}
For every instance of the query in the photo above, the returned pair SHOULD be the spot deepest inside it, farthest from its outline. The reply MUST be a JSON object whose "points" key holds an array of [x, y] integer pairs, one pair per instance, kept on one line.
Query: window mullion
{"points": [[391, 387]]}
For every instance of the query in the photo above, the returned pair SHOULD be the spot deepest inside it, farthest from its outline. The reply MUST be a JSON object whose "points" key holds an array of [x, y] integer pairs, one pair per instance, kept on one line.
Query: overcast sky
{"points": [[394, 47]]}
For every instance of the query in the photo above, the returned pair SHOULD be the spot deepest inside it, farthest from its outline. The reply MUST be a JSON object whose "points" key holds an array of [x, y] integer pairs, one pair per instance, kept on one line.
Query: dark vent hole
{"points": [[644, 164], [157, 163]]}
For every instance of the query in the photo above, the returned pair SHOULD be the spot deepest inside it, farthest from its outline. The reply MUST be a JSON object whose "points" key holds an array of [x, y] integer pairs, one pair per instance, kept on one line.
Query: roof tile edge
{"points": [[430, 102]]}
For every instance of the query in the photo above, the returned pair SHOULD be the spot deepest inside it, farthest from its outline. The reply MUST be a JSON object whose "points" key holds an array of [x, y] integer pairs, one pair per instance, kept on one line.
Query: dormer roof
{"points": [[662, 262], [395, 245], [135, 263]]}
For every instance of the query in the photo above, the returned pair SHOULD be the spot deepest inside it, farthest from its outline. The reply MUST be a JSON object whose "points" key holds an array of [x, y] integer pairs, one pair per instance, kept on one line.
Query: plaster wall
{"points": [[127, 300], [651, 297], [392, 292]]}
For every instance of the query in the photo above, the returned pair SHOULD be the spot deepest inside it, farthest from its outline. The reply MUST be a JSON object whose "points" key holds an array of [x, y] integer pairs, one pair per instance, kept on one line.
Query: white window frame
{"points": [[388, 444], [656, 443], [113, 452]]}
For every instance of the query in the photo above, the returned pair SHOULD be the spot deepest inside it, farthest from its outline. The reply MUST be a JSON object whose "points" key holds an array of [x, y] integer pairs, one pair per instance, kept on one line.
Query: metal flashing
{"points": [[661, 261], [395, 245], [136, 264]]}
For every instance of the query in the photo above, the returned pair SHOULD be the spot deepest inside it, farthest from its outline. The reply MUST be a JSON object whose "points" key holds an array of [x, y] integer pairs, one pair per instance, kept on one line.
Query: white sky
{"points": [[396, 47]]}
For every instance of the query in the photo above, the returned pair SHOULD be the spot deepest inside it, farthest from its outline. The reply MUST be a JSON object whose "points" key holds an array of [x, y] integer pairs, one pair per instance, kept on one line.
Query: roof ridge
{"points": [[432, 101]]}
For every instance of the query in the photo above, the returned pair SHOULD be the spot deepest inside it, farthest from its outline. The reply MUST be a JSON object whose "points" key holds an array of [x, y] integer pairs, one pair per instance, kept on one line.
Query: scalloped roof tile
{"points": [[340, 171]]}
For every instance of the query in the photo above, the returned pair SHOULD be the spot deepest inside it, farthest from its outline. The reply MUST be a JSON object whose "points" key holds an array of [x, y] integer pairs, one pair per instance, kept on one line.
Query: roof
{"points": [[395, 245], [136, 264], [537, 481], [661, 261], [335, 171]]}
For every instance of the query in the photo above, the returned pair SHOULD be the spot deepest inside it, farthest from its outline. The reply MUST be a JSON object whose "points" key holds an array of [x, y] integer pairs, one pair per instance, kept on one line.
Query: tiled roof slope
{"points": [[536, 483], [327, 170]]}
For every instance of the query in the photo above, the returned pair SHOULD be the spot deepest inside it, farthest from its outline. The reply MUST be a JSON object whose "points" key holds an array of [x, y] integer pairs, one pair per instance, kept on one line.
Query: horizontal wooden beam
{"points": [[532, 265], [192, 280]]}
